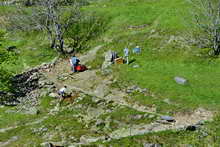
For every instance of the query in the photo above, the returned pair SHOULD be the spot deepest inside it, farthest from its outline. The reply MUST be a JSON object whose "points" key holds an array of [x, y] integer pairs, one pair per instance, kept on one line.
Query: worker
{"points": [[74, 61], [137, 50], [126, 53], [62, 91], [114, 56]]}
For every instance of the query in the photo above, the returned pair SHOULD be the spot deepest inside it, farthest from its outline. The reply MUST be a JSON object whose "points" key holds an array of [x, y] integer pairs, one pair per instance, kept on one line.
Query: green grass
{"points": [[160, 61], [11, 119], [32, 50], [32, 46], [24, 133], [158, 74]]}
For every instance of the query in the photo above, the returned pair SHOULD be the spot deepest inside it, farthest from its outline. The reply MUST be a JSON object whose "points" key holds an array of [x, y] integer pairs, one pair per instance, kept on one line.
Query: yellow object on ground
{"points": [[119, 61]]}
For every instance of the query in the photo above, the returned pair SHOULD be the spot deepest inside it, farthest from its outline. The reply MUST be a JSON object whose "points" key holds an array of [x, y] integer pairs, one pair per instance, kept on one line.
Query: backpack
{"points": [[80, 68]]}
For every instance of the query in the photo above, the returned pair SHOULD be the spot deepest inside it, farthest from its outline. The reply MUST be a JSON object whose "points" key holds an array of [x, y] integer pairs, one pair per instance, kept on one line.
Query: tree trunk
{"points": [[61, 45], [217, 51], [216, 39], [59, 37], [53, 43]]}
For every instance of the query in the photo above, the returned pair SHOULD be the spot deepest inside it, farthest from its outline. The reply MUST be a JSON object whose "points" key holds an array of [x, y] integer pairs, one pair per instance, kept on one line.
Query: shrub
{"points": [[87, 28], [5, 76], [207, 21], [2, 35]]}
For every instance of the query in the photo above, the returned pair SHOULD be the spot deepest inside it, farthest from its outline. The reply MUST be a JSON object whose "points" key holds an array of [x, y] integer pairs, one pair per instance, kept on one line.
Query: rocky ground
{"points": [[94, 111]]}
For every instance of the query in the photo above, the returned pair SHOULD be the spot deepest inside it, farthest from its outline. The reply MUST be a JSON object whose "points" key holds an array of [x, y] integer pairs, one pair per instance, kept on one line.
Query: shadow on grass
{"points": [[132, 61]]}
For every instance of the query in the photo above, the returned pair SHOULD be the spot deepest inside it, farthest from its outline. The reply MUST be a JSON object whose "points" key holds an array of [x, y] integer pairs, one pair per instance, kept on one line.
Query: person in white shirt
{"points": [[62, 91], [126, 53]]}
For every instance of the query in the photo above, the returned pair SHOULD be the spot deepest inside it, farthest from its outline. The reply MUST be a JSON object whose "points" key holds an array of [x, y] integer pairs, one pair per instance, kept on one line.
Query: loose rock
{"points": [[136, 66], [168, 118], [46, 144], [137, 117], [109, 56], [54, 95], [180, 80], [151, 145], [151, 116], [32, 111]]}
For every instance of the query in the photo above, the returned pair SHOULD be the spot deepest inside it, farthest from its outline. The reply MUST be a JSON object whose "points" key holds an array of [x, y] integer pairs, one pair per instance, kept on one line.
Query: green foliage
{"points": [[6, 56], [45, 103], [207, 25], [89, 27], [6, 59], [5, 76], [160, 61], [30, 51], [2, 35]]}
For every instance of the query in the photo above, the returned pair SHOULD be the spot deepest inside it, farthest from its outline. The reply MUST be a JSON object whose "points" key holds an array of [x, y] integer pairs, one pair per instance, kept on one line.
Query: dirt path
{"points": [[90, 55], [89, 82], [181, 122]]}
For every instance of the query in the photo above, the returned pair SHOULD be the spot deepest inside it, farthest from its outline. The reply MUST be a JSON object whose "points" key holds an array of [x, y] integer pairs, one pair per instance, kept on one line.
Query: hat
{"points": [[137, 46]]}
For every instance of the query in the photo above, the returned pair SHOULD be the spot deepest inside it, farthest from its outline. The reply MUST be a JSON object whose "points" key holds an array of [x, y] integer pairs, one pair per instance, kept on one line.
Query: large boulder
{"points": [[167, 118], [54, 95], [181, 80], [108, 60]]}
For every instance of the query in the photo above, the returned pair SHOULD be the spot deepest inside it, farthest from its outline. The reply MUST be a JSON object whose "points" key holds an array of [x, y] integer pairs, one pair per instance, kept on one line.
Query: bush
{"points": [[87, 28], [6, 58], [5, 76], [207, 22], [2, 35]]}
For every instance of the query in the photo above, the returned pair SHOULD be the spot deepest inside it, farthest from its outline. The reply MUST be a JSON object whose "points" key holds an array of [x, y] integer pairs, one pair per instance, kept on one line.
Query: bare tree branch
{"points": [[207, 20], [49, 16]]}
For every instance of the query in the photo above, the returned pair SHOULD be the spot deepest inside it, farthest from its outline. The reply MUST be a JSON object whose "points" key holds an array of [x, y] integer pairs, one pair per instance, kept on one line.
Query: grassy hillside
{"points": [[159, 27], [31, 47], [165, 54]]}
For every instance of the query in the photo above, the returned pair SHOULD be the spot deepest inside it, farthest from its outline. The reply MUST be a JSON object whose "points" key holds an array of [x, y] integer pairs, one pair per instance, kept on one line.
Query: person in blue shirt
{"points": [[137, 50], [74, 61]]}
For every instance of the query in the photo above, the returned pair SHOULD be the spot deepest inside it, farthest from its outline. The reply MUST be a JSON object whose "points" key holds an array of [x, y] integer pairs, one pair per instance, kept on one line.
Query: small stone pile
{"points": [[136, 88]]}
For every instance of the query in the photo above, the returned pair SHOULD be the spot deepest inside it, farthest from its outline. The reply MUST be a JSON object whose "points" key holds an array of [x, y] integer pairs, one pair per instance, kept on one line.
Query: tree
{"points": [[52, 16], [207, 20], [57, 20]]}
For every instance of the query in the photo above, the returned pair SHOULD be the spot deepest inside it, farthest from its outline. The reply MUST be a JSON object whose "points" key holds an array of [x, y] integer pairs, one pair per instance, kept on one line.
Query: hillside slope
{"points": [[125, 106]]}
